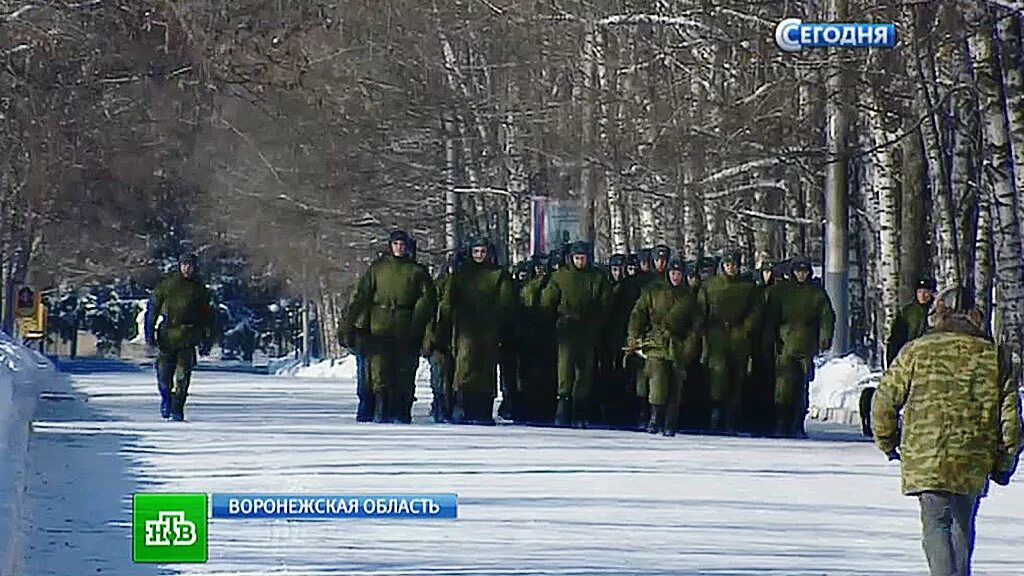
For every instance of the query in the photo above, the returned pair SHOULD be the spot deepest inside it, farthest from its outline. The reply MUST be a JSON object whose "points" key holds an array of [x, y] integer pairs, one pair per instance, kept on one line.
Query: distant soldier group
{"points": [[647, 341]]}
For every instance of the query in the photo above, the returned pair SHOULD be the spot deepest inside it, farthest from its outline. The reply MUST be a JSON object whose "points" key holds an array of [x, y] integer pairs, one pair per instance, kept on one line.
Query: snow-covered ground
{"points": [[531, 500], [23, 374]]}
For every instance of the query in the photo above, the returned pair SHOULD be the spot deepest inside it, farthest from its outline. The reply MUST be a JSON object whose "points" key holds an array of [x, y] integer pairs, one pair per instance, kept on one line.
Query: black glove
{"points": [[893, 455], [1001, 478], [204, 348]]}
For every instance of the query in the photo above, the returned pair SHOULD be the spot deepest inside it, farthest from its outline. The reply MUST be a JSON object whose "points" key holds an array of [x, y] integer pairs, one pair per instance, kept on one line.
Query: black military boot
{"points": [[580, 413], [671, 420], [382, 408], [562, 414], [643, 415], [364, 413], [657, 423], [401, 407], [485, 412], [717, 424], [461, 412], [177, 407]]}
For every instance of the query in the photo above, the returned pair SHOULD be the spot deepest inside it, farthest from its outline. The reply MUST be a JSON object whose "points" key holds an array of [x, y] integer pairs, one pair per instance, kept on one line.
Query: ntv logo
{"points": [[793, 34], [170, 529]]}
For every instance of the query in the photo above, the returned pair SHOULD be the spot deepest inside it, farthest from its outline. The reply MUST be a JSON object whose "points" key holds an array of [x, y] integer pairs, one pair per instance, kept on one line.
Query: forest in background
{"points": [[291, 135]]}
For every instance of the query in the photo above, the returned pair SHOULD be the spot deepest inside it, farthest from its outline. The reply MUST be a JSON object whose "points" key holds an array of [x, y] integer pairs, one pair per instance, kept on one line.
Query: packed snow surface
{"points": [[531, 500]]}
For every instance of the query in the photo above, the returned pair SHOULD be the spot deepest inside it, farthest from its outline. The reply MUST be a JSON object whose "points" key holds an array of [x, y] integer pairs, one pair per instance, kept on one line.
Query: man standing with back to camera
{"points": [[960, 426]]}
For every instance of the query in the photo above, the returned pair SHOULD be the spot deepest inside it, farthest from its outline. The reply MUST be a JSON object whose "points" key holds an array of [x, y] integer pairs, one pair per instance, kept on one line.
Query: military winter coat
{"points": [[670, 323], [732, 309], [911, 322], [186, 307], [480, 303], [395, 300], [579, 298], [622, 298], [803, 318], [961, 411]]}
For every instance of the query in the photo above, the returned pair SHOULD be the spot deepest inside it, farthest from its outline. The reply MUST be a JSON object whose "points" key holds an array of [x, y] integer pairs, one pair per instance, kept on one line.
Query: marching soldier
{"points": [[803, 317], [667, 325], [732, 308], [479, 306], [578, 294], [394, 303]]}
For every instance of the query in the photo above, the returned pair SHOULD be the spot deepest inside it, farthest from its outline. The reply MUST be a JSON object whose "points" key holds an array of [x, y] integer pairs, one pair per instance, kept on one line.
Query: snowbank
{"points": [[835, 390], [22, 373], [337, 369]]}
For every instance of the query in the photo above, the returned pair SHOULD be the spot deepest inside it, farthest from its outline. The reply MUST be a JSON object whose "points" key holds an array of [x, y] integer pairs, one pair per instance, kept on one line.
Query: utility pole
{"points": [[837, 193]]}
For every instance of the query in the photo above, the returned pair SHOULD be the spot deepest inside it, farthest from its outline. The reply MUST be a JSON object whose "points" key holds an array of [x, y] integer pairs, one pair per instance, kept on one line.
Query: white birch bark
{"points": [[1013, 62], [518, 201], [886, 192], [613, 190], [1006, 229]]}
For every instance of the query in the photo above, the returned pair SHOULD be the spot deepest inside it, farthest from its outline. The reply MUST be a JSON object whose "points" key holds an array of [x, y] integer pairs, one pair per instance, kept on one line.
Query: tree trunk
{"points": [[585, 99], [451, 199], [518, 202], [925, 105], [912, 220], [983, 269], [1007, 240], [1013, 63], [613, 189], [886, 190]]}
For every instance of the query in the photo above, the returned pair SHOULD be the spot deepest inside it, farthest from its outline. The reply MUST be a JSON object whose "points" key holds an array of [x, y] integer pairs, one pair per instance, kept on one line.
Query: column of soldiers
{"points": [[647, 342]]}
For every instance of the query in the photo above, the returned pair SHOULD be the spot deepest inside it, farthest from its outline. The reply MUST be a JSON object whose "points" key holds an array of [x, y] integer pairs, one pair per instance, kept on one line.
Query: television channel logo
{"points": [[793, 35], [169, 528]]}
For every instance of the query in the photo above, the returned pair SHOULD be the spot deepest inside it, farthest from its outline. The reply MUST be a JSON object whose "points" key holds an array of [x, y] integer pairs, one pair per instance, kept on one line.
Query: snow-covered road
{"points": [[531, 501]]}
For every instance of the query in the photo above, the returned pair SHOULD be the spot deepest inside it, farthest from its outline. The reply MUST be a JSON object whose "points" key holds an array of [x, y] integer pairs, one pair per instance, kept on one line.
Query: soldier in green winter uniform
{"points": [[511, 407], [759, 396], [408, 375], [394, 304], [442, 364], [801, 313], [645, 259], [578, 294], [617, 401], [184, 306], [632, 266], [538, 348], [910, 323], [695, 411], [480, 308], [948, 409], [348, 339], [654, 276], [667, 324], [732, 308]]}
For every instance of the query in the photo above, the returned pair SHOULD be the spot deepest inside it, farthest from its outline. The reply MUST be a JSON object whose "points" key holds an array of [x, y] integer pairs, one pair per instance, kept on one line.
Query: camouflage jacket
{"points": [[961, 411]]}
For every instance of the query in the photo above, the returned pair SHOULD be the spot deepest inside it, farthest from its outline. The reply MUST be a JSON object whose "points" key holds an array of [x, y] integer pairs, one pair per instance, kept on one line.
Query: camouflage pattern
{"points": [[911, 322], [802, 317], [669, 324], [961, 411], [538, 381], [480, 307], [617, 399], [579, 298], [394, 304], [185, 306], [732, 307], [442, 364], [759, 393]]}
